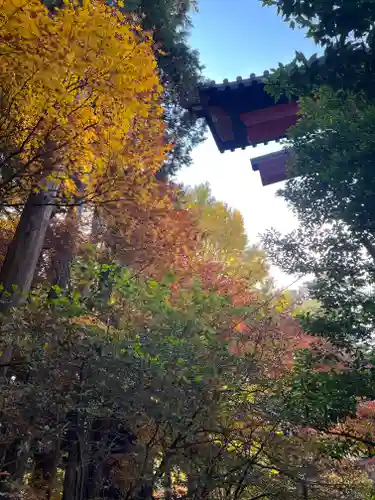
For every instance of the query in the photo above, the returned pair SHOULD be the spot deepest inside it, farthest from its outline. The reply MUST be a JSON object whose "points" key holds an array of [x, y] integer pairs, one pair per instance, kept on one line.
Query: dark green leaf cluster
{"points": [[345, 31], [180, 71]]}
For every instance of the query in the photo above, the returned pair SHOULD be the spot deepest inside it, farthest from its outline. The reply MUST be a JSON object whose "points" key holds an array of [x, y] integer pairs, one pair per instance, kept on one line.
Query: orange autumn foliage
{"points": [[362, 425], [147, 231], [275, 337]]}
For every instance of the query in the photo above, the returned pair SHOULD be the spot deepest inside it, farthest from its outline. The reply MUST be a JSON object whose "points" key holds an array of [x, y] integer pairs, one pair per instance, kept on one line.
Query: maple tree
{"points": [[153, 358], [150, 236], [179, 68], [151, 394], [222, 237], [65, 117], [76, 96]]}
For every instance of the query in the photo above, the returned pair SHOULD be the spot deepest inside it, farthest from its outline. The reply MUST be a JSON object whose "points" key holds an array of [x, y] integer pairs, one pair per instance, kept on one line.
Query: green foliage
{"points": [[333, 197], [150, 361], [180, 71], [345, 32], [341, 275], [331, 192], [319, 393], [334, 146]]}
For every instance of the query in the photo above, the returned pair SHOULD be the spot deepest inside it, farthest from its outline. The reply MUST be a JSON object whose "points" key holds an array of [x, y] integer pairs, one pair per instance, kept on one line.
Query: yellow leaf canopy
{"points": [[79, 97]]}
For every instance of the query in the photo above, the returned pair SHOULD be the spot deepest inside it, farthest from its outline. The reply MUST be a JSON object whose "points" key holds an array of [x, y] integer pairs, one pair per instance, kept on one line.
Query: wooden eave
{"points": [[235, 99]]}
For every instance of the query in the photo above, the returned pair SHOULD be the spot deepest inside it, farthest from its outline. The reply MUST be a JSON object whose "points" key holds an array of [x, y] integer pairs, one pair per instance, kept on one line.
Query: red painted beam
{"points": [[269, 124], [272, 167], [242, 113]]}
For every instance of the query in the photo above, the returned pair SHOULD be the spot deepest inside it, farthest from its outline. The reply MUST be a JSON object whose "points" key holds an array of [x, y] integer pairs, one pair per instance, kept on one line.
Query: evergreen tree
{"points": [[344, 31]]}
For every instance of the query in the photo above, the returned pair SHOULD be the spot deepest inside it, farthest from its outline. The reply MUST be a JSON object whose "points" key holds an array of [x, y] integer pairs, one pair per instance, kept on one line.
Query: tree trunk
{"points": [[369, 247], [192, 485], [45, 468], [22, 257], [168, 491], [64, 251], [13, 469], [93, 481], [145, 492], [73, 479], [96, 227], [303, 490]]}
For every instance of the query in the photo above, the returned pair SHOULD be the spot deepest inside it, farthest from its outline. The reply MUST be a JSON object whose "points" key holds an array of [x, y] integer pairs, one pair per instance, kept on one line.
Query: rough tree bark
{"points": [[168, 491], [43, 478], [64, 251], [22, 257], [73, 479]]}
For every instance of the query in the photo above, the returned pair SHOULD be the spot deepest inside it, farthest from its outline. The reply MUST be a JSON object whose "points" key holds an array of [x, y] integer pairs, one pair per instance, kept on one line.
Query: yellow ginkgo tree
{"points": [[80, 114]]}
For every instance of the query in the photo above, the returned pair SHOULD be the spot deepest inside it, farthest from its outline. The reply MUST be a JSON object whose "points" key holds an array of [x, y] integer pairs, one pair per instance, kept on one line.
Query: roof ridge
{"points": [[238, 82]]}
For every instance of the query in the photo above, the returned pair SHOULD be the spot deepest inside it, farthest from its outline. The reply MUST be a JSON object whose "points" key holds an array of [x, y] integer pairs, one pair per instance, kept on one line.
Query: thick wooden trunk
{"points": [[18, 269], [168, 491], [84, 465], [192, 484], [62, 269], [74, 475], [44, 473], [96, 227], [89, 480], [64, 251]]}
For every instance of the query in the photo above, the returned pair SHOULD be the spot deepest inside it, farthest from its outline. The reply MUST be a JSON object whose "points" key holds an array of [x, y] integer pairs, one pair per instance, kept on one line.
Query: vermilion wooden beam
{"points": [[270, 124], [272, 167], [242, 113]]}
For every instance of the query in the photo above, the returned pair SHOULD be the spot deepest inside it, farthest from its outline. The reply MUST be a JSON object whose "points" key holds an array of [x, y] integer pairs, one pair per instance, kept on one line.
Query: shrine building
{"points": [[241, 114]]}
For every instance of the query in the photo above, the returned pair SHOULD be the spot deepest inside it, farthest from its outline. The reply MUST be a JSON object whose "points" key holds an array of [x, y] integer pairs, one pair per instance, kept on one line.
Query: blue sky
{"points": [[237, 38]]}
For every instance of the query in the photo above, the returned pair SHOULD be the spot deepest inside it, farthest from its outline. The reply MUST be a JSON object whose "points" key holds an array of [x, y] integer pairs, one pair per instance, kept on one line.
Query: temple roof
{"points": [[211, 87], [235, 84], [236, 111]]}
